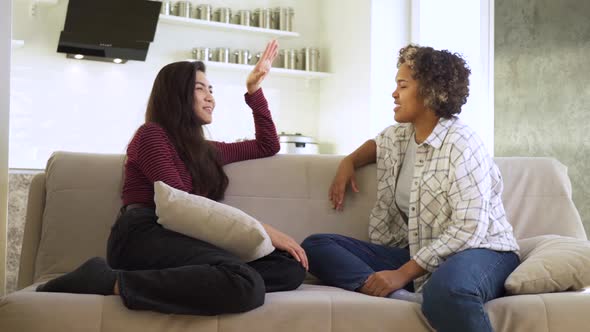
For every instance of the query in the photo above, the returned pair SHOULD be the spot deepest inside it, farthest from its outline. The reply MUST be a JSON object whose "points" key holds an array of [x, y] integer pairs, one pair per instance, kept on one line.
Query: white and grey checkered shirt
{"points": [[455, 196]]}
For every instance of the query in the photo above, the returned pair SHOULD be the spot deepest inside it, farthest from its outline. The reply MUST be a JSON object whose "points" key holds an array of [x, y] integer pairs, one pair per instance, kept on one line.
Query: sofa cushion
{"points": [[537, 197], [221, 225], [551, 263], [82, 199], [309, 308]]}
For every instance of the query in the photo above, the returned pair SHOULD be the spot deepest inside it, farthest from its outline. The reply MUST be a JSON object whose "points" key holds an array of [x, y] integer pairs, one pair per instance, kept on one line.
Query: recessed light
{"points": [[95, 58]]}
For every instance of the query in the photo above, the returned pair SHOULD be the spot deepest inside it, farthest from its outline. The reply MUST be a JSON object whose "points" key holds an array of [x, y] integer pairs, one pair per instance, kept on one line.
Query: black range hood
{"points": [[109, 29]]}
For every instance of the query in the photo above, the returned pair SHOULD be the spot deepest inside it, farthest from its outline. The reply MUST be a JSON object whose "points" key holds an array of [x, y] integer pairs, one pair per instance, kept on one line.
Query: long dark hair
{"points": [[171, 106]]}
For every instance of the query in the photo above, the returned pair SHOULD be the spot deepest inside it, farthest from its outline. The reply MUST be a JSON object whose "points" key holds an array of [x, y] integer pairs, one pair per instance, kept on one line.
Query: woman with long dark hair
{"points": [[153, 268]]}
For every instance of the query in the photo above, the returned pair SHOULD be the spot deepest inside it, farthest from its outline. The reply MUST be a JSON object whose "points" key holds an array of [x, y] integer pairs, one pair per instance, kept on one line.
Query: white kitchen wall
{"points": [[390, 31], [362, 39], [65, 104], [345, 101]]}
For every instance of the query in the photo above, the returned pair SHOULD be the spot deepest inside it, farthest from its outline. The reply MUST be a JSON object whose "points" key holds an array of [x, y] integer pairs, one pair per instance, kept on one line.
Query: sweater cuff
{"points": [[256, 99]]}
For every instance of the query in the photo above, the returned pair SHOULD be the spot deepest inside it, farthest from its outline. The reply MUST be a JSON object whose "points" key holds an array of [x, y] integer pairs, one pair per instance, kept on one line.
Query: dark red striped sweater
{"points": [[152, 157]]}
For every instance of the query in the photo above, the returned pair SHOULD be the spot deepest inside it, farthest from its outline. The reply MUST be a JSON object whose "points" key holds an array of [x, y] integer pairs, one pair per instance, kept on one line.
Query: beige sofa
{"points": [[73, 204]]}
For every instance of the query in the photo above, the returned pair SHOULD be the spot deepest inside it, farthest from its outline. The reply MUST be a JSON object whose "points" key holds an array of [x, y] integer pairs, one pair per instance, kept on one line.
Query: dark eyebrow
{"points": [[210, 87]]}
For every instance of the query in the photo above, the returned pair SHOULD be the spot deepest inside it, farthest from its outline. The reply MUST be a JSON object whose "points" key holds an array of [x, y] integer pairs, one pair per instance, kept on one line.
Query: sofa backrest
{"points": [[74, 203], [537, 197]]}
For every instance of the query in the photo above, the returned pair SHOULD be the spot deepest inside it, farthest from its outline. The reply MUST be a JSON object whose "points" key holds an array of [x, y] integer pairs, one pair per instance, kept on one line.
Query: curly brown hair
{"points": [[443, 78]]}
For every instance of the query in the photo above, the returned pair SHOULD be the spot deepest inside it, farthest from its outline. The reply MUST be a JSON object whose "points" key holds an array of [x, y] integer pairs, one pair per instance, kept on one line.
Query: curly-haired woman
{"points": [[438, 226]]}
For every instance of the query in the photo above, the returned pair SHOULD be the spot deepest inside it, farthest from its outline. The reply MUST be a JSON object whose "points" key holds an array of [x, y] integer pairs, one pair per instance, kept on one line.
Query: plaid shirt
{"points": [[455, 196]]}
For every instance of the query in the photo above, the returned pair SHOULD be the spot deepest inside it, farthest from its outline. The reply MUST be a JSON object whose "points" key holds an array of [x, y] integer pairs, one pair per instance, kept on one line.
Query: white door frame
{"points": [[5, 50]]}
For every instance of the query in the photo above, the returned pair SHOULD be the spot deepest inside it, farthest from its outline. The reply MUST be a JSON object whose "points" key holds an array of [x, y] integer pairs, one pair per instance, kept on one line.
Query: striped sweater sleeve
{"points": [[154, 155], [266, 143]]}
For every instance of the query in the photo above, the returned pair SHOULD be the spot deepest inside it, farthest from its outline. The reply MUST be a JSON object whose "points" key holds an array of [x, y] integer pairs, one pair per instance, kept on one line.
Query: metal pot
{"points": [[183, 9], [167, 8], [222, 15], [203, 12], [242, 57], [202, 53], [288, 58], [297, 144], [310, 59], [283, 18], [221, 54], [262, 18], [243, 17]]}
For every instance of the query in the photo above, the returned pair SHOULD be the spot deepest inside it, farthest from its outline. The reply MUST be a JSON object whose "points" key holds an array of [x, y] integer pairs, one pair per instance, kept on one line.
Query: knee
{"points": [[294, 274], [247, 287], [286, 272], [254, 297], [315, 240], [454, 297]]}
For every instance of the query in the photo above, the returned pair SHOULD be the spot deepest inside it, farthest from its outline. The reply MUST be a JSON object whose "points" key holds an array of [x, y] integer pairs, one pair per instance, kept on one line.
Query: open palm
{"points": [[263, 66]]}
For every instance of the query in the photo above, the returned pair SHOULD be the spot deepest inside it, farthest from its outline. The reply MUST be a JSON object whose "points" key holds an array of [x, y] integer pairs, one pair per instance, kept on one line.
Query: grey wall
{"points": [[542, 86]]}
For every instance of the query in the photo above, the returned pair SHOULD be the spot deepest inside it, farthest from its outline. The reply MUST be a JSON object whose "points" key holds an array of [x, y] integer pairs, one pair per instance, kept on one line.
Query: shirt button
{"points": [[421, 161], [413, 208], [415, 183], [415, 233]]}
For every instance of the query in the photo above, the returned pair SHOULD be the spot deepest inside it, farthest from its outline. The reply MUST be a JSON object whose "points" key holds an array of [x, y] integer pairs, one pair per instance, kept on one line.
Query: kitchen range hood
{"points": [[109, 30]]}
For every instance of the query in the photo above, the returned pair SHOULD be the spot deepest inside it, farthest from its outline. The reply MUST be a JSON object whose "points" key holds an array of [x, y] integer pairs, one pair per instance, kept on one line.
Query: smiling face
{"points": [[203, 103], [409, 103]]}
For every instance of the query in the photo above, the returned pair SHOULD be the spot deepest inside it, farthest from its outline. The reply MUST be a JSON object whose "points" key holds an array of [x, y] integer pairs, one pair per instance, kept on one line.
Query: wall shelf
{"points": [[17, 43], [273, 72], [211, 25]]}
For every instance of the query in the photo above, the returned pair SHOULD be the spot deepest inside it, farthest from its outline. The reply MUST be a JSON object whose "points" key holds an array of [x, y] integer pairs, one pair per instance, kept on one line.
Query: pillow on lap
{"points": [[550, 263], [221, 225]]}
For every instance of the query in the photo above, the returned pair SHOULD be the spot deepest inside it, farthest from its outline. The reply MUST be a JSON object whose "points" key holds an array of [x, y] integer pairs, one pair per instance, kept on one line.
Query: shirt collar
{"points": [[436, 138]]}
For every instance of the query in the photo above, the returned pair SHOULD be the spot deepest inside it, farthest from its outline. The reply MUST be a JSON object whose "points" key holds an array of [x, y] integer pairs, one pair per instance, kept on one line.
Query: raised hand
{"points": [[263, 66]]}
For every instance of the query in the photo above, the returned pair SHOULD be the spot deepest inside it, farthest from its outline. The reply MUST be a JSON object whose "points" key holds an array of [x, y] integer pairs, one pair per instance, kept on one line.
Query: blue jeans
{"points": [[455, 294], [345, 262]]}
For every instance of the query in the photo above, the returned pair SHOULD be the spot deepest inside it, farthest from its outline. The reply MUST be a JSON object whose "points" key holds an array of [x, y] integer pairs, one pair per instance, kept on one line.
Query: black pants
{"points": [[165, 271]]}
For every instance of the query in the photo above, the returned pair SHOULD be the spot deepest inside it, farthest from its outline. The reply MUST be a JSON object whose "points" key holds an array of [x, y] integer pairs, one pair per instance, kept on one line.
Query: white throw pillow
{"points": [[550, 263], [221, 225]]}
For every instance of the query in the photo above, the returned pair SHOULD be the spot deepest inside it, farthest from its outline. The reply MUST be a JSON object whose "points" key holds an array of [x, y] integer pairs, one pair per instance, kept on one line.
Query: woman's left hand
{"points": [[263, 66], [286, 243], [382, 283]]}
